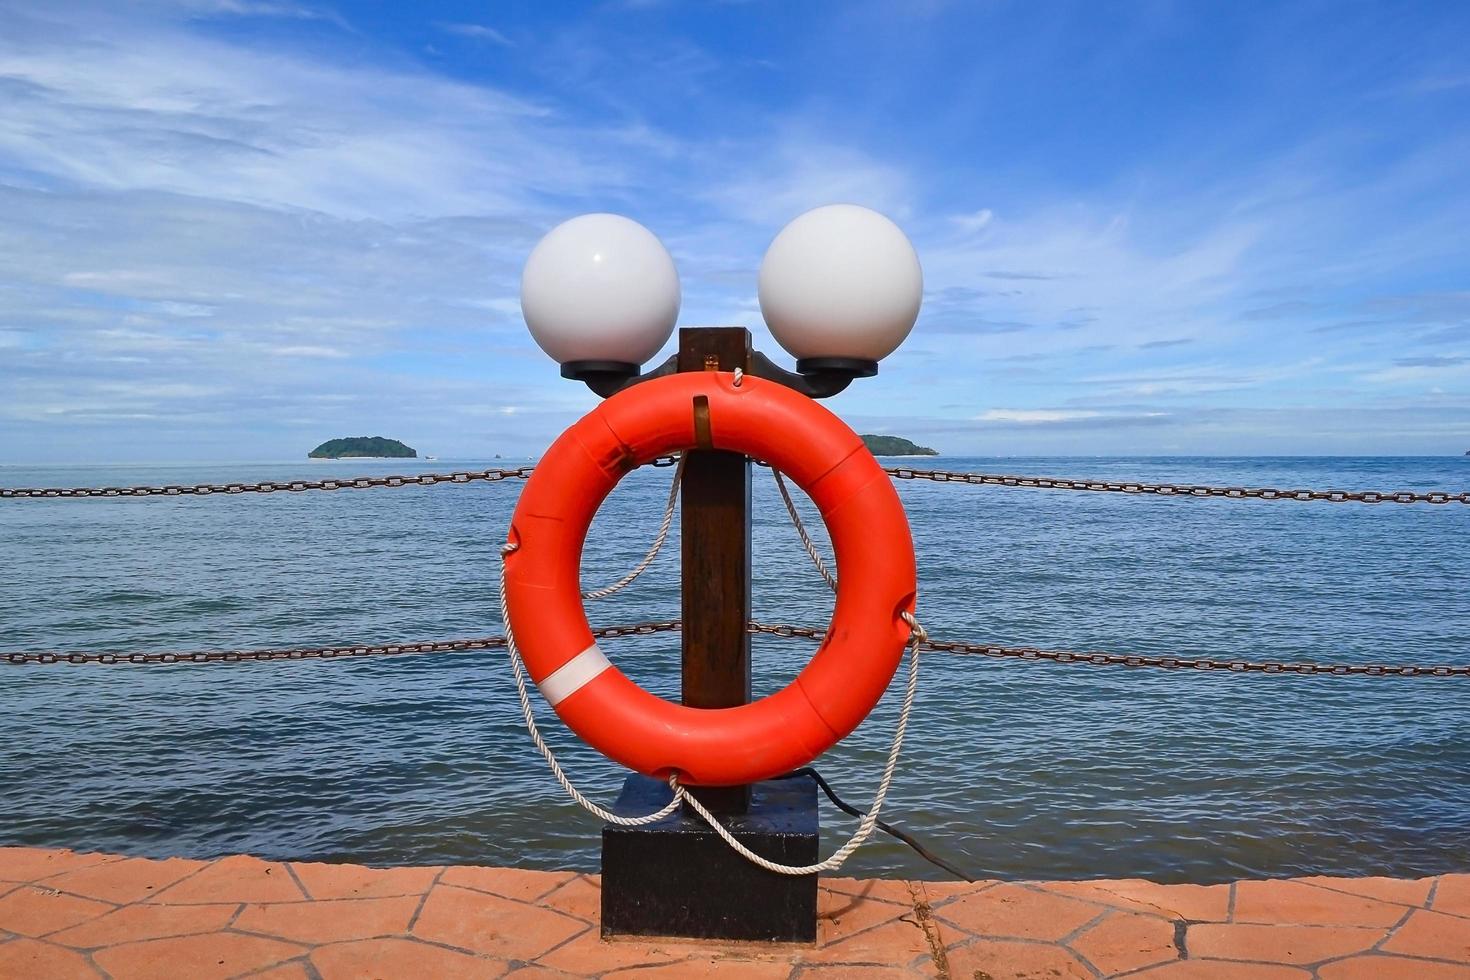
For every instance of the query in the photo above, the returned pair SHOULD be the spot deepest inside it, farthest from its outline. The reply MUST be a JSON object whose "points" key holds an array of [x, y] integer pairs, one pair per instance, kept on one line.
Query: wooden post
{"points": [[715, 534], [676, 877]]}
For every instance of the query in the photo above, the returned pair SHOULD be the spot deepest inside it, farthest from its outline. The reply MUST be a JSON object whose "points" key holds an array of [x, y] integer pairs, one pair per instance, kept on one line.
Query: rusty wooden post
{"points": [[715, 535]]}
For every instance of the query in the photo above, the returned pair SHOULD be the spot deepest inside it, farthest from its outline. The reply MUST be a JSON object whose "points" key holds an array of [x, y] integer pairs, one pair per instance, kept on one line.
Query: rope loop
{"points": [[519, 669], [658, 540]]}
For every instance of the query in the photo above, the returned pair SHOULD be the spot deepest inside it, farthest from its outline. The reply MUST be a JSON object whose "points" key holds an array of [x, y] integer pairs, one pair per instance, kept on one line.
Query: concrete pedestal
{"points": [[677, 878]]}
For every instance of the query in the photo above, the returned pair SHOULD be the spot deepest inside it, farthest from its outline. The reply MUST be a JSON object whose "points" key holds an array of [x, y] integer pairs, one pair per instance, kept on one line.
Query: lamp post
{"points": [[840, 288]]}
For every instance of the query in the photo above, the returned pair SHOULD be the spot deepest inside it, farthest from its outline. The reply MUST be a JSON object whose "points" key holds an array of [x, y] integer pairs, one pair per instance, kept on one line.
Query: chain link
{"points": [[1181, 489], [311, 653], [1138, 660], [272, 486], [785, 630], [897, 472]]}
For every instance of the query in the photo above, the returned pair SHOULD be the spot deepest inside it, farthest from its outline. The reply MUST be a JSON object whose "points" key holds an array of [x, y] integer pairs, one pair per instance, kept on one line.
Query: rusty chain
{"points": [[991, 650], [308, 653], [1181, 489], [1137, 660], [897, 472], [272, 486]]}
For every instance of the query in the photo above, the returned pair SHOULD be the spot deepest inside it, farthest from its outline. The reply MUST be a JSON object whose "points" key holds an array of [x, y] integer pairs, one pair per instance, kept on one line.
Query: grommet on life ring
{"points": [[875, 572]]}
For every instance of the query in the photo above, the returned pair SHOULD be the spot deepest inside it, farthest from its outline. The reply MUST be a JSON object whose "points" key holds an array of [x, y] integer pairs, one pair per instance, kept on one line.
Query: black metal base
{"points": [[677, 878]]}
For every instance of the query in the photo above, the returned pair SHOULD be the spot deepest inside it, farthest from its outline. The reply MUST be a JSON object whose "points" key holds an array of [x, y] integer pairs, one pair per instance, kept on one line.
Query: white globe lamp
{"points": [[840, 288], [600, 294]]}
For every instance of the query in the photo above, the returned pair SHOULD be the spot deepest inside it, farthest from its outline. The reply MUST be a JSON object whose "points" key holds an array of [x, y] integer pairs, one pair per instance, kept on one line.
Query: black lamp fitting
{"points": [[815, 377]]}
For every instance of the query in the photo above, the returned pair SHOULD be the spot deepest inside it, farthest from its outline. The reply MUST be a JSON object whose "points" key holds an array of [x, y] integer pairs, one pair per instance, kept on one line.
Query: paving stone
{"points": [[1000, 959], [207, 957], [27, 959], [286, 971], [1288, 901], [733, 969], [138, 922], [241, 915], [848, 971], [590, 953], [898, 941], [535, 973], [491, 925], [331, 920], [121, 882], [1444, 937], [517, 883], [840, 915], [1279, 943], [354, 881], [1220, 970], [400, 959], [236, 879], [1125, 941], [1376, 967], [1195, 903], [1453, 895], [935, 892], [1016, 912], [580, 898], [34, 863], [875, 889], [34, 910], [1402, 891], [853, 971]]}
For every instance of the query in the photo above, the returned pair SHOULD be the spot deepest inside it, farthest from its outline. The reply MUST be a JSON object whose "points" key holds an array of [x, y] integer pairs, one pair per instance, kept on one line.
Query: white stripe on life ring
{"points": [[573, 675]]}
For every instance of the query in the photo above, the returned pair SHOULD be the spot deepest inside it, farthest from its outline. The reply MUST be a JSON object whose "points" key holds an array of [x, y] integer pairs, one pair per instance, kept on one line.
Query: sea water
{"points": [[1012, 769]]}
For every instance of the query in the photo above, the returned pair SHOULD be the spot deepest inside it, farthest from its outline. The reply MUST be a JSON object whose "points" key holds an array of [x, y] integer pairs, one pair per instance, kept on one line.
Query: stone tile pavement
{"points": [[65, 914]]}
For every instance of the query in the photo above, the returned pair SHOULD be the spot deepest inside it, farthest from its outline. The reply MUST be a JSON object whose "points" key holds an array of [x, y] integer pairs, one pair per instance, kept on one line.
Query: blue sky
{"points": [[235, 228]]}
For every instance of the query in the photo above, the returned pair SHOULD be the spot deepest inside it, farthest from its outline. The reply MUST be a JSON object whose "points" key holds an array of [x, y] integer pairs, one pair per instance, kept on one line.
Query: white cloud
{"points": [[1033, 415], [973, 222], [164, 109], [478, 32], [797, 173]]}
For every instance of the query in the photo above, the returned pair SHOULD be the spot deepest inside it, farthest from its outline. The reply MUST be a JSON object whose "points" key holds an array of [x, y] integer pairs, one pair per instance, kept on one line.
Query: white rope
{"points": [[658, 541], [870, 819], [806, 540], [866, 825], [556, 770]]}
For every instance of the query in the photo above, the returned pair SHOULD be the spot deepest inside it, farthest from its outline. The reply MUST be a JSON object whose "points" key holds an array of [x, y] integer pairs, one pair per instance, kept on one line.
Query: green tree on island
{"points": [[361, 447], [895, 446]]}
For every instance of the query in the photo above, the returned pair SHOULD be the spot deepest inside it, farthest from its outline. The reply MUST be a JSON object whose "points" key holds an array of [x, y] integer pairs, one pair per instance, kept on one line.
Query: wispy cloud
{"points": [[478, 32], [1033, 416]]}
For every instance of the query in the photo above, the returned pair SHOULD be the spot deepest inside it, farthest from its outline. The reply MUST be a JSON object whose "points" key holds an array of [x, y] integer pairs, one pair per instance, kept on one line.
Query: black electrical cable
{"points": [[887, 828]]}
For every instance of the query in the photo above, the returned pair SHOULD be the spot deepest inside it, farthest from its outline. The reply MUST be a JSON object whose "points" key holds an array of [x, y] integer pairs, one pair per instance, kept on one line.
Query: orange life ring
{"points": [[875, 569]]}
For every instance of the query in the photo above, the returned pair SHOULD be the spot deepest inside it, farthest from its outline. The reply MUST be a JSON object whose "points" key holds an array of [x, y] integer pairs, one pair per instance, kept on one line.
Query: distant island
{"points": [[894, 446], [362, 447]]}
